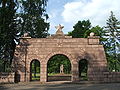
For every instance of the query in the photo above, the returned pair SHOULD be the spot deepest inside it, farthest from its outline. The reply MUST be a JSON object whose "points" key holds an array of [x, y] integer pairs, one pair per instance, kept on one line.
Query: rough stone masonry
{"points": [[75, 49]]}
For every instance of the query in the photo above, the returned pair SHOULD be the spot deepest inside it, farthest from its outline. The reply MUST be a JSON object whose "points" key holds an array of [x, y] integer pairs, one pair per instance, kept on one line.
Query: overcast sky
{"points": [[69, 12]]}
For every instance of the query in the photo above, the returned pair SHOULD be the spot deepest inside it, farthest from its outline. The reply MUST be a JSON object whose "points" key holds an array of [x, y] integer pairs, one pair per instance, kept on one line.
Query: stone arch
{"points": [[33, 58], [86, 56], [36, 60], [29, 60], [69, 56], [88, 60], [83, 69]]}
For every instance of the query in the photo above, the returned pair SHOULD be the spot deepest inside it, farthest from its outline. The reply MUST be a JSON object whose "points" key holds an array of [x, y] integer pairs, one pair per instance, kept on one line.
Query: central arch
{"points": [[69, 56], [59, 68], [67, 74]]}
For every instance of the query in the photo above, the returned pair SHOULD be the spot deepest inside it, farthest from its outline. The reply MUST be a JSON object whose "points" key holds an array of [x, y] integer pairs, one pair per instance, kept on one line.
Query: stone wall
{"points": [[75, 49], [7, 77], [111, 76], [59, 78]]}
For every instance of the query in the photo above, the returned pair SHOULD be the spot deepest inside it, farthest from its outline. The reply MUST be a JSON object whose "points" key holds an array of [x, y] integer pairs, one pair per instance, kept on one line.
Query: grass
{"points": [[37, 76], [83, 76], [54, 74]]}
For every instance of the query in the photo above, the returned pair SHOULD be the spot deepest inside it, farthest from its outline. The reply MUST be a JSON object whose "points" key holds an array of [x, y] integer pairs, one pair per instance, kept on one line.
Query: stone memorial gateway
{"points": [[76, 49]]}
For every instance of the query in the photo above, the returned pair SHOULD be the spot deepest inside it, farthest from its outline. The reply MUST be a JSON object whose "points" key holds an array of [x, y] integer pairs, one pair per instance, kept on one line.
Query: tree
{"points": [[97, 30], [112, 33], [8, 30], [80, 28], [17, 18], [32, 18]]}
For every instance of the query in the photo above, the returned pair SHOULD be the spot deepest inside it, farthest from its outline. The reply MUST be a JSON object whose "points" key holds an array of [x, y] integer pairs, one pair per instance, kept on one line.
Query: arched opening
{"points": [[17, 77], [83, 68], [35, 70], [59, 68]]}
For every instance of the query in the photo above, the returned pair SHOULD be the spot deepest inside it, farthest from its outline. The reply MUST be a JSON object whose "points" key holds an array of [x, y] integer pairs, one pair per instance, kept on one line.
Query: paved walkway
{"points": [[60, 86]]}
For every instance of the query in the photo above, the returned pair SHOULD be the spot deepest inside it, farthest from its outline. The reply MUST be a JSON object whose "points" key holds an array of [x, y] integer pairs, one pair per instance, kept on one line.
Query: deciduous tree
{"points": [[80, 28]]}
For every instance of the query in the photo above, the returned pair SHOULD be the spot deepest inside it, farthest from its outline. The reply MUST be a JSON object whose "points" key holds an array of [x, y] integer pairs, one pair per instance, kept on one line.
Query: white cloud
{"points": [[97, 11]]}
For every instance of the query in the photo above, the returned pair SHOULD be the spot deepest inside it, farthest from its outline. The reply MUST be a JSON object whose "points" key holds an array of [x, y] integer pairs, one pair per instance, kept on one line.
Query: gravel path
{"points": [[60, 86]]}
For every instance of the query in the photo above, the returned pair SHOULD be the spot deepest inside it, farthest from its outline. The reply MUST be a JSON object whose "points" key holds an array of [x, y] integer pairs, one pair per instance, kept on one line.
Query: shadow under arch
{"points": [[59, 68], [83, 69], [35, 70]]}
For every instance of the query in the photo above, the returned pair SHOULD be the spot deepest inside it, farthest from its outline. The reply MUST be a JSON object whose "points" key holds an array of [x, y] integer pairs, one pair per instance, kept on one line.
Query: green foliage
{"points": [[80, 28], [1, 66], [8, 31], [109, 37], [5, 66], [35, 69], [56, 61], [113, 63], [37, 78], [32, 18], [97, 30], [35, 66], [16, 18], [83, 67], [112, 33]]}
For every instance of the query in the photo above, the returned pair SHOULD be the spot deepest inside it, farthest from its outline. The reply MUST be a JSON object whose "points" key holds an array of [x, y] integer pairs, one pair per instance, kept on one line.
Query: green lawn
{"points": [[37, 76], [55, 74], [84, 76]]}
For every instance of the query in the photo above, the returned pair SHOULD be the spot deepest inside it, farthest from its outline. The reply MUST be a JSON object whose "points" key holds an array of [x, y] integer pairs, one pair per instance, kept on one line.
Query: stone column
{"points": [[75, 72], [28, 72], [43, 72]]}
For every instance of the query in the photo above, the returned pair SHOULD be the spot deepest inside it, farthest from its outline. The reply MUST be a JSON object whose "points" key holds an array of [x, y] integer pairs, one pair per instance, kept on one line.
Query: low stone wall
{"points": [[111, 76], [6, 77], [105, 77], [59, 78]]}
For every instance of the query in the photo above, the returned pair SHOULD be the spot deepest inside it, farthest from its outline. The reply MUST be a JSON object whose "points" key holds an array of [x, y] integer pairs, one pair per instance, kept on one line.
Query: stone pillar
{"points": [[93, 40], [28, 73], [75, 72], [43, 72]]}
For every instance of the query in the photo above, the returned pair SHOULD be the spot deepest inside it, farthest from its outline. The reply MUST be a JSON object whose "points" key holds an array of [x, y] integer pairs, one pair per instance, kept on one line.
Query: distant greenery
{"points": [[35, 69], [80, 28], [35, 78], [83, 68], [56, 61], [109, 37]]}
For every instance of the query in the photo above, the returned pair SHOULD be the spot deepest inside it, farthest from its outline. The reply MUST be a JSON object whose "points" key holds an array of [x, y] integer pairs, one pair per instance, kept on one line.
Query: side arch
{"points": [[35, 68], [32, 58], [29, 60]]}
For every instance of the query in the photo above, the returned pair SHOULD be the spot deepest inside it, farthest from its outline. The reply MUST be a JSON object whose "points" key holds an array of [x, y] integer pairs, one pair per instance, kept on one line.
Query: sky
{"points": [[69, 12]]}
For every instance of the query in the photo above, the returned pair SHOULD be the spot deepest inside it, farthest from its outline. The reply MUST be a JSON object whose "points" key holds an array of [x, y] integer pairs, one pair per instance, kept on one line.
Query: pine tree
{"points": [[112, 32]]}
